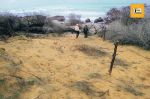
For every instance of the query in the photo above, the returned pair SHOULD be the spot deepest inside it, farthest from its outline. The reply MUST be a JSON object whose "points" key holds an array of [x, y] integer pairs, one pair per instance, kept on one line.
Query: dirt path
{"points": [[68, 68]]}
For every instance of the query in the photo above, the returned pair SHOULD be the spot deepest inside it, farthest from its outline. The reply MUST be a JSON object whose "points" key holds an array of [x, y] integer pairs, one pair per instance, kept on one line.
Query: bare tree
{"points": [[113, 14], [74, 19]]}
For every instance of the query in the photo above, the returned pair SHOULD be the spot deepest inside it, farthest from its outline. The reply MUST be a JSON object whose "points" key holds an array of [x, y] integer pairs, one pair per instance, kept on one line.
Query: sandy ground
{"points": [[68, 68]]}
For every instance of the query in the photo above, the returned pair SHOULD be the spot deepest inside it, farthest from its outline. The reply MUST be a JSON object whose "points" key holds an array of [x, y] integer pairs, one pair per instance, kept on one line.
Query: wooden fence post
{"points": [[113, 57], [104, 32]]}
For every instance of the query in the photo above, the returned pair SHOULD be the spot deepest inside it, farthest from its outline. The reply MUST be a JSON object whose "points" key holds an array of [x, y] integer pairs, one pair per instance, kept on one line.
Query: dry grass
{"points": [[10, 82], [68, 68], [130, 88], [121, 63], [83, 86], [88, 89], [2, 52]]}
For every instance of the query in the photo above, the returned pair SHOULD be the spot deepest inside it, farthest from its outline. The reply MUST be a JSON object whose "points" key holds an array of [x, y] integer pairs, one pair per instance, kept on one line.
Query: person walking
{"points": [[85, 30], [77, 30]]}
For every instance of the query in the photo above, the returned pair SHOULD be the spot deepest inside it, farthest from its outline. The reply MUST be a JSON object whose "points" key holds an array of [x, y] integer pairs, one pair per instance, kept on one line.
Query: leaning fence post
{"points": [[104, 34], [113, 57]]}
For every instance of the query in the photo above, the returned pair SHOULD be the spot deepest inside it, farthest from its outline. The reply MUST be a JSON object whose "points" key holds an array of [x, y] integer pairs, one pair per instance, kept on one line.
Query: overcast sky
{"points": [[87, 8]]}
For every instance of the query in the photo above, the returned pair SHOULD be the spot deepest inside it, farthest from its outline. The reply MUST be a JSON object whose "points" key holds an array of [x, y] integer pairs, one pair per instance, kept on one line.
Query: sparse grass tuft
{"points": [[2, 81], [83, 86], [90, 50], [94, 75], [130, 89], [10, 82], [120, 62], [60, 49], [2, 51], [1, 96], [14, 86], [13, 64], [22, 37], [89, 89], [31, 81], [9, 85], [133, 90]]}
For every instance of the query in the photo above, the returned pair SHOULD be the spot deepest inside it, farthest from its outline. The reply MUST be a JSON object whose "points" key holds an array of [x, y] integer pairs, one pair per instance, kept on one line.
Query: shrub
{"points": [[33, 23], [128, 30], [98, 20], [6, 25], [87, 20], [35, 20], [134, 34], [9, 24]]}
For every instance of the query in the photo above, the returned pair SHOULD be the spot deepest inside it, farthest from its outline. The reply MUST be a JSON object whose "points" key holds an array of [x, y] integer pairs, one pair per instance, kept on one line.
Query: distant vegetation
{"points": [[11, 24], [119, 26], [127, 30], [87, 20], [98, 20], [74, 19]]}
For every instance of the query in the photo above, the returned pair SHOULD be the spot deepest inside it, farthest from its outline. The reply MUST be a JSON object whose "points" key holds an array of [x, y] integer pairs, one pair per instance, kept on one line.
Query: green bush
{"points": [[6, 25]]}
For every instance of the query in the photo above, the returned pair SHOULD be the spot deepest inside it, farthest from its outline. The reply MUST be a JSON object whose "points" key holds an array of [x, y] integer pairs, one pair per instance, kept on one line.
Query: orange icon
{"points": [[137, 11]]}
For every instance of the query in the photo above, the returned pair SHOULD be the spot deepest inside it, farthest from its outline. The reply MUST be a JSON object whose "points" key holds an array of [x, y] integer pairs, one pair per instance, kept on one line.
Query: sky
{"points": [[86, 8]]}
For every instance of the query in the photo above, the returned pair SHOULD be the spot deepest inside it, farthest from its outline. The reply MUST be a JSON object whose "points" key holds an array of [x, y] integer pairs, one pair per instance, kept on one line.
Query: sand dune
{"points": [[68, 68]]}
